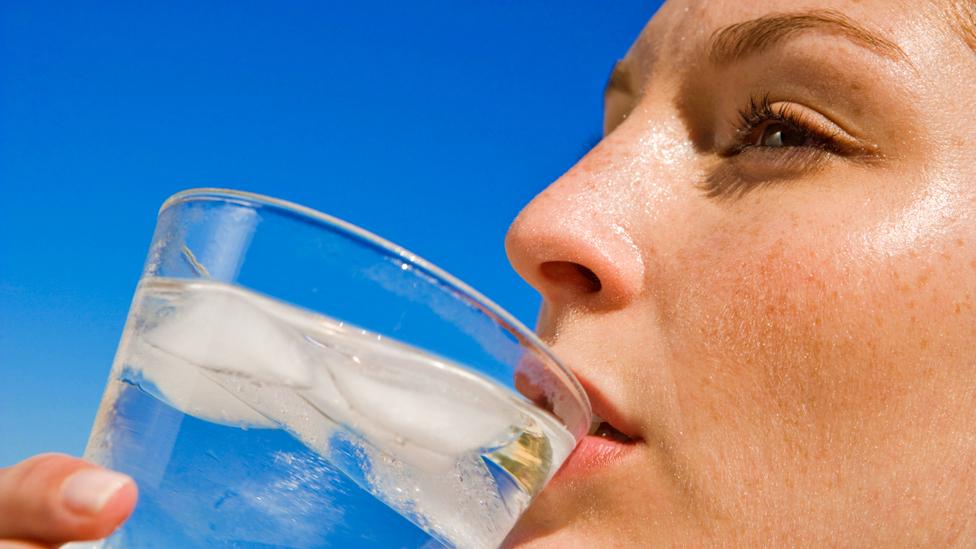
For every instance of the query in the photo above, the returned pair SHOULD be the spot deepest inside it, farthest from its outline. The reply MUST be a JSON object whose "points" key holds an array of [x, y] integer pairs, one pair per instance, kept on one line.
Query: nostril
{"points": [[573, 275]]}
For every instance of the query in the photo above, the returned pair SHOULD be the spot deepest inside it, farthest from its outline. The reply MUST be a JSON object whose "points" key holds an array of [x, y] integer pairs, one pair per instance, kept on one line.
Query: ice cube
{"points": [[201, 346], [187, 388], [427, 400], [228, 333]]}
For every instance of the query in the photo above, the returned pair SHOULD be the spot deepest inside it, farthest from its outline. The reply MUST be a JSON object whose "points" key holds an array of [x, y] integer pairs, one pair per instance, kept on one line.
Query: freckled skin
{"points": [[801, 359]]}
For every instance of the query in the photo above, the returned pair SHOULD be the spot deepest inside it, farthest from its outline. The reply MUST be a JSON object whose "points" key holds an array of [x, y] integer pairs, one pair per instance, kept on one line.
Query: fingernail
{"points": [[88, 490]]}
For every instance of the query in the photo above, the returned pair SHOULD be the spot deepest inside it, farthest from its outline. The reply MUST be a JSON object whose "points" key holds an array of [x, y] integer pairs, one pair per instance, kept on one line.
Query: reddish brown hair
{"points": [[963, 19]]}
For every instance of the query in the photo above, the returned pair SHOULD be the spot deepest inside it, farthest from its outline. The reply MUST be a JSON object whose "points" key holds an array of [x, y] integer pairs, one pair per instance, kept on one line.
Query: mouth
{"points": [[603, 446]]}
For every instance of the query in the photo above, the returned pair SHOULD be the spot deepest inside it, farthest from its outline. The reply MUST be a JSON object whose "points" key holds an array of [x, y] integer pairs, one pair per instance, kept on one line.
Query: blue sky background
{"points": [[430, 123]]}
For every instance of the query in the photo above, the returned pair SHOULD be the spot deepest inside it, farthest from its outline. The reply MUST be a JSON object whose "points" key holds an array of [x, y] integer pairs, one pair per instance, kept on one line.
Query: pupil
{"points": [[782, 135]]}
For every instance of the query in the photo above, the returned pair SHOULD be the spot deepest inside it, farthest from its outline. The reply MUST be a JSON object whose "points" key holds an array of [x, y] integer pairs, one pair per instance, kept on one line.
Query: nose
{"points": [[572, 244]]}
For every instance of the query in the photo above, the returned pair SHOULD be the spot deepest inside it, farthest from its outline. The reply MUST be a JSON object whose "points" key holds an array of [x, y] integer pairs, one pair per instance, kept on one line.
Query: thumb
{"points": [[53, 498]]}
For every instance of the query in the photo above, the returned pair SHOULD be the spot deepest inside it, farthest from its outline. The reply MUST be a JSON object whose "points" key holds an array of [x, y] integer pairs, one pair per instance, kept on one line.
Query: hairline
{"points": [[962, 18]]}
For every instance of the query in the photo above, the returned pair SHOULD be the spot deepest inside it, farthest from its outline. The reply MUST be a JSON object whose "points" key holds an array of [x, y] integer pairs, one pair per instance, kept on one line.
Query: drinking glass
{"points": [[286, 379]]}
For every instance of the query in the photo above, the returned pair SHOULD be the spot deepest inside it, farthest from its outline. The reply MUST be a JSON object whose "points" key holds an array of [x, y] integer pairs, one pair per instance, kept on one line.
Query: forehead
{"points": [[681, 29]]}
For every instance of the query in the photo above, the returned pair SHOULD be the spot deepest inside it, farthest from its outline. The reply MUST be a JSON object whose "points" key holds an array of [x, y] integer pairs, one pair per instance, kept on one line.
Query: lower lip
{"points": [[591, 454]]}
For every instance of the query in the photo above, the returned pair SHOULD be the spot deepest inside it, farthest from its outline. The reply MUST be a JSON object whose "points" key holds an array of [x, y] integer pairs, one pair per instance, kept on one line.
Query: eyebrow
{"points": [[739, 40]]}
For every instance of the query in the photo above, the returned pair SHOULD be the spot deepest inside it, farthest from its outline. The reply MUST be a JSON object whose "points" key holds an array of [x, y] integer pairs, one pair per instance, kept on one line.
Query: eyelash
{"points": [[763, 164], [759, 113]]}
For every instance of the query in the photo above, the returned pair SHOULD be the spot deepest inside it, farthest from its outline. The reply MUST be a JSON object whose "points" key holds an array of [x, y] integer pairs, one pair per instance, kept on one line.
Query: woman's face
{"points": [[765, 275]]}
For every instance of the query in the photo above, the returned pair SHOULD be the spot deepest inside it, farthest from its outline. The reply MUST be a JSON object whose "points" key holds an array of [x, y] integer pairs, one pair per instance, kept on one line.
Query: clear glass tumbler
{"points": [[286, 379]]}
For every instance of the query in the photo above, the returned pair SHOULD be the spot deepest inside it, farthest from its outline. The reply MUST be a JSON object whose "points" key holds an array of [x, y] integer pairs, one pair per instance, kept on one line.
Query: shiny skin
{"points": [[799, 360]]}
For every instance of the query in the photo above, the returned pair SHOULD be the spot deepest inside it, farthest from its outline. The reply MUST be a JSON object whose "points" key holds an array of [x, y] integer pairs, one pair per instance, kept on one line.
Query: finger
{"points": [[54, 498], [11, 544]]}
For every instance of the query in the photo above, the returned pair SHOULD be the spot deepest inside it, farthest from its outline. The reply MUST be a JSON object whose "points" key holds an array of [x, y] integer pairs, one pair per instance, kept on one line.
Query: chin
{"points": [[559, 519], [568, 538]]}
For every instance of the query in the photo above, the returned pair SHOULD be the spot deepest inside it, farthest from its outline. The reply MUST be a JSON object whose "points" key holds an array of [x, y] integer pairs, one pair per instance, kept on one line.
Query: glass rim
{"points": [[354, 231]]}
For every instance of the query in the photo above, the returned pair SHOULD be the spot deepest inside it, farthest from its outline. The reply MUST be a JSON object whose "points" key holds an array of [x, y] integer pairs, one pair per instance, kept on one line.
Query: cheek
{"points": [[814, 333]]}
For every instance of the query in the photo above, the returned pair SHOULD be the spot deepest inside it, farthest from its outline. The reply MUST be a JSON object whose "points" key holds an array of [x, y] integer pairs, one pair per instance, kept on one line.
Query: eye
{"points": [[779, 142], [763, 127]]}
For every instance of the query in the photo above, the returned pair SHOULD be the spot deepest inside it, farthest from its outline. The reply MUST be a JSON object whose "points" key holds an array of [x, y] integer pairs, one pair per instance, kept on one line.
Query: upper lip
{"points": [[607, 411]]}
